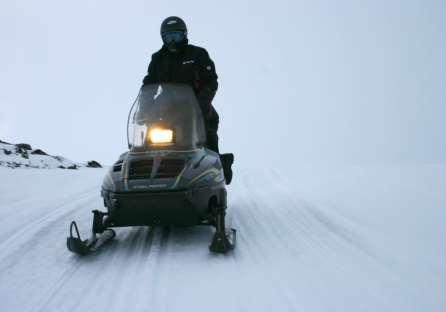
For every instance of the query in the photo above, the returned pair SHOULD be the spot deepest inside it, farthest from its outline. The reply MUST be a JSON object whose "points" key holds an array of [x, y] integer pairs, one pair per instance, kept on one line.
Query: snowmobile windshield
{"points": [[166, 117]]}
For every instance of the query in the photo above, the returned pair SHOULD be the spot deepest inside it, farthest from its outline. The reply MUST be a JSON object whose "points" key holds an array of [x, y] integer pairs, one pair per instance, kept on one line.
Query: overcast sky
{"points": [[311, 81]]}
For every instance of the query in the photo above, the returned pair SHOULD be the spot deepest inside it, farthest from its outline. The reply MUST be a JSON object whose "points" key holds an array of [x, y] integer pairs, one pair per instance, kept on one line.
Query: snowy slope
{"points": [[365, 238], [22, 155]]}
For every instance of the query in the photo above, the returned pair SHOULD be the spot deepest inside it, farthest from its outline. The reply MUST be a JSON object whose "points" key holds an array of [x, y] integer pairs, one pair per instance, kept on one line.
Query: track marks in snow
{"points": [[350, 250], [322, 220], [42, 304], [290, 237], [30, 233], [291, 253], [105, 274]]}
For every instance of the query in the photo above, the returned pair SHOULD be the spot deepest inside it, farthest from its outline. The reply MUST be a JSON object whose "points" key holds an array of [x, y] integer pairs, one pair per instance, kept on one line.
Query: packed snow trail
{"points": [[368, 239]]}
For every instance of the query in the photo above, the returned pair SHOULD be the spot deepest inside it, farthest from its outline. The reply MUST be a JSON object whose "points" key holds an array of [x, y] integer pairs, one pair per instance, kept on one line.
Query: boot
{"points": [[227, 160]]}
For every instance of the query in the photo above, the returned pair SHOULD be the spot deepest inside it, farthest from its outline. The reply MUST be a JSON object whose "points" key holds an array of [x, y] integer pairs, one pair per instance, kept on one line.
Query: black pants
{"points": [[211, 124]]}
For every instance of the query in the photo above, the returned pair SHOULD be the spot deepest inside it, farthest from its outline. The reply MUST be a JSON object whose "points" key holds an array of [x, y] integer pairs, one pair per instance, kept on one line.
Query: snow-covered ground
{"points": [[358, 238]]}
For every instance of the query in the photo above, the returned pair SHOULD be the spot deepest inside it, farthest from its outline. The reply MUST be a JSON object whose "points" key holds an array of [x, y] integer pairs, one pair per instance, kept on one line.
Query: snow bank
{"points": [[23, 156]]}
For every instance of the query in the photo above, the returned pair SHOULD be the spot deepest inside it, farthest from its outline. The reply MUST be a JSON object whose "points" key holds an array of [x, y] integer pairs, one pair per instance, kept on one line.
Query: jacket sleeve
{"points": [[151, 73], [208, 81]]}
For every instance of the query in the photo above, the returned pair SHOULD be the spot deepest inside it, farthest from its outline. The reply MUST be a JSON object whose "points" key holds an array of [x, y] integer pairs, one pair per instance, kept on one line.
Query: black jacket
{"points": [[191, 65]]}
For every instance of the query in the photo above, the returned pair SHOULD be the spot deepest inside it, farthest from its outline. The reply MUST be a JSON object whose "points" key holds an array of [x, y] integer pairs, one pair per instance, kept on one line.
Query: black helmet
{"points": [[174, 33]]}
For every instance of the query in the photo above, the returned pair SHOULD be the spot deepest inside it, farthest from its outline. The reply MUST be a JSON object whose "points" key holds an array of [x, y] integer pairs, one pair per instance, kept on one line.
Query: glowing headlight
{"points": [[160, 136]]}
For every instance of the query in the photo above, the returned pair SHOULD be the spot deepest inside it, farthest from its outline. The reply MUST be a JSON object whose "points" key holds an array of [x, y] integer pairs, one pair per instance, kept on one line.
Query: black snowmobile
{"points": [[168, 176]]}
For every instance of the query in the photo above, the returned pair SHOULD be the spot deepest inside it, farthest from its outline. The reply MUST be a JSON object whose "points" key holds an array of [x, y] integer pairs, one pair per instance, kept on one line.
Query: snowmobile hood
{"points": [[156, 171]]}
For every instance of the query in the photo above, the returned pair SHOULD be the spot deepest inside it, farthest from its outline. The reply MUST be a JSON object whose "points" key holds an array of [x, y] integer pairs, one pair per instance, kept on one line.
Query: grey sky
{"points": [[330, 81]]}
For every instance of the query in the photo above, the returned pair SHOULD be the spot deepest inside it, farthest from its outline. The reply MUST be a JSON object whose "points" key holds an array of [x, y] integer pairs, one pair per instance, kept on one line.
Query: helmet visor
{"points": [[176, 36]]}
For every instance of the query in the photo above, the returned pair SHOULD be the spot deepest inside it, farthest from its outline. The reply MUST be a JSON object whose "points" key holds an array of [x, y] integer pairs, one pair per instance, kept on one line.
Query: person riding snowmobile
{"points": [[180, 62]]}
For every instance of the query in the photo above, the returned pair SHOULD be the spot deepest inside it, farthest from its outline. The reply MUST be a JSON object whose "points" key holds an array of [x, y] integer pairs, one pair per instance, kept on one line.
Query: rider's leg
{"points": [[211, 131]]}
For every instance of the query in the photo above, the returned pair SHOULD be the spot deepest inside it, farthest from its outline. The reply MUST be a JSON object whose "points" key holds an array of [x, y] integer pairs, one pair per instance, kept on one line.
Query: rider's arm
{"points": [[151, 73], [208, 81]]}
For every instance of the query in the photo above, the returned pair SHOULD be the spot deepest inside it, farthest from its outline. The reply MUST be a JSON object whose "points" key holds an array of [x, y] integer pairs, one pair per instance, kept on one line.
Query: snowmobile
{"points": [[167, 177]]}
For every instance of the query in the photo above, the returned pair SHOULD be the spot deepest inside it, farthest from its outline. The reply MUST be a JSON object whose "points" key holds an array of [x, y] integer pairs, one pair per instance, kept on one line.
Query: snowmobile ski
{"points": [[83, 247], [224, 238], [223, 241]]}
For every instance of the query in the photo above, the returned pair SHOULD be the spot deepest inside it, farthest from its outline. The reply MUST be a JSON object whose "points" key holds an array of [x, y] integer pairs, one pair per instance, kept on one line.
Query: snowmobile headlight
{"points": [[160, 136]]}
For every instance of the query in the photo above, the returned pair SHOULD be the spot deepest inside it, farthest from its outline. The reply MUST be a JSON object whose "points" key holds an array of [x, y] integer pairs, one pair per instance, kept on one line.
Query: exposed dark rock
{"points": [[7, 152], [24, 146], [10, 164], [5, 142], [94, 164], [61, 167], [72, 167], [39, 152], [22, 151], [59, 158]]}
